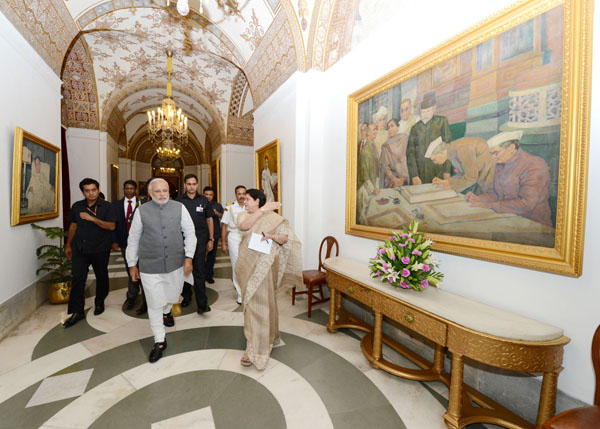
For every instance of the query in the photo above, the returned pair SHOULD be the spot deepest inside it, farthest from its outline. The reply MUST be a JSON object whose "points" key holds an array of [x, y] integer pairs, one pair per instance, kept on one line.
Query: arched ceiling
{"points": [[111, 54]]}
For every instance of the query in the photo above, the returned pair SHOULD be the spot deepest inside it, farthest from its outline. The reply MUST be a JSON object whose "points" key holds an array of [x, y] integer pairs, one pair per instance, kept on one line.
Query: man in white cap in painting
{"points": [[471, 164], [521, 181]]}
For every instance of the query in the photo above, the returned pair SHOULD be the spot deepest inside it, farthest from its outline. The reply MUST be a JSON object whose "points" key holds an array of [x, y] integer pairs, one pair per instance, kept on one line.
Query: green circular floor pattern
{"points": [[211, 295], [351, 399], [235, 401]]}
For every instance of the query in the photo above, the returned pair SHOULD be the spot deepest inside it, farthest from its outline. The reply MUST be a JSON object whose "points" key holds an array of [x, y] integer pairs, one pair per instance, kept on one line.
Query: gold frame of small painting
{"points": [[215, 177], [480, 84], [36, 167], [263, 162]]}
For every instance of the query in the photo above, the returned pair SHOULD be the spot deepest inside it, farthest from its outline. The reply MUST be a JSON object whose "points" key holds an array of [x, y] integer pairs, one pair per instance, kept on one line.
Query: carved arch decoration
{"points": [[339, 35], [80, 96]]}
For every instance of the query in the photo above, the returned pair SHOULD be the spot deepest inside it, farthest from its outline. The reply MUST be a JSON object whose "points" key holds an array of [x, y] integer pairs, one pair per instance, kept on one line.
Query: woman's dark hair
{"points": [[257, 195]]}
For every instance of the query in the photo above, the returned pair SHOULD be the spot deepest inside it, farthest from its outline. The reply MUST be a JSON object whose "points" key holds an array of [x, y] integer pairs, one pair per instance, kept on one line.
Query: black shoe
{"points": [[157, 351], [203, 310], [75, 317], [168, 320], [142, 310], [186, 302], [211, 280], [99, 310], [129, 303]]}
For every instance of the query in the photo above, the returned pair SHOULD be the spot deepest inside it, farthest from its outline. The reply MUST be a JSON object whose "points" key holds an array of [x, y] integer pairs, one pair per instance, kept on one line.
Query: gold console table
{"points": [[464, 327]]}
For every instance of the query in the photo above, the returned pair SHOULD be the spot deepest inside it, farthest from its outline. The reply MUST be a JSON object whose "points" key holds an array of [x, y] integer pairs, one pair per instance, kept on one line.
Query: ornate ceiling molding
{"points": [[339, 39], [296, 33], [80, 99], [116, 124], [317, 38], [45, 24], [87, 21], [273, 62]]}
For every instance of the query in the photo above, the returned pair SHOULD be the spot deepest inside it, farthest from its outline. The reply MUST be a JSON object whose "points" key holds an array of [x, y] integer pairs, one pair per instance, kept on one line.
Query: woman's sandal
{"points": [[245, 361]]}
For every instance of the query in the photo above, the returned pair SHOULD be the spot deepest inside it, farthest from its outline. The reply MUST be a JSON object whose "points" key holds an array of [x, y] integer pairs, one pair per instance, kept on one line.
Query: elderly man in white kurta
{"points": [[164, 257]]}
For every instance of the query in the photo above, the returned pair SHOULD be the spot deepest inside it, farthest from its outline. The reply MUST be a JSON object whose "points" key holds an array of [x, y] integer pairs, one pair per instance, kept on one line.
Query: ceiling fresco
{"points": [[111, 54]]}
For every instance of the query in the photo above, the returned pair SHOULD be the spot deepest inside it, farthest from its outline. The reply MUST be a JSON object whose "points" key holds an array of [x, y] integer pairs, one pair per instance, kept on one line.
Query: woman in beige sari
{"points": [[261, 274]]}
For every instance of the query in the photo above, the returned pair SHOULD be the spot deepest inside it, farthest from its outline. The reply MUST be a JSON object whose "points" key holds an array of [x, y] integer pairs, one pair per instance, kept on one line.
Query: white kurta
{"points": [[164, 288]]}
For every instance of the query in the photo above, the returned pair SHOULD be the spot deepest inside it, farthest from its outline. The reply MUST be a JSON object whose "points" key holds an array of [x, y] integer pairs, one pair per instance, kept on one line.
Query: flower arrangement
{"points": [[404, 260]]}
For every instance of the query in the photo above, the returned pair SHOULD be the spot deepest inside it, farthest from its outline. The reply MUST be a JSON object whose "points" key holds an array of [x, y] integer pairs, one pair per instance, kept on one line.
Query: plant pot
{"points": [[58, 293]]}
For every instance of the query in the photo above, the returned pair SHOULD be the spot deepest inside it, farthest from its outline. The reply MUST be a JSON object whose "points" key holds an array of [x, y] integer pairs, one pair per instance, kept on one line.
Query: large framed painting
{"points": [[215, 177], [36, 179], [483, 140], [268, 171]]}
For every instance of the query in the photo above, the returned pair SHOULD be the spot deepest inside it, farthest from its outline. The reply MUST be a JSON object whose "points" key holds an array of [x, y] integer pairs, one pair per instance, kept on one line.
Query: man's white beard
{"points": [[162, 203]]}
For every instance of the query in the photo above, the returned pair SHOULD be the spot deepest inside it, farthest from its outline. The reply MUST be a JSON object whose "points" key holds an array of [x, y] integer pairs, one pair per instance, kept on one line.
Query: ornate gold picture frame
{"points": [[267, 162], [215, 177], [493, 125], [36, 179]]}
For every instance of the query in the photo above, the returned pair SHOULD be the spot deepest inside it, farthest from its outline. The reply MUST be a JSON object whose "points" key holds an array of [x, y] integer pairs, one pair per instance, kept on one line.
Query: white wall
{"points": [[277, 118], [30, 100], [87, 151], [236, 168], [141, 171], [570, 303]]}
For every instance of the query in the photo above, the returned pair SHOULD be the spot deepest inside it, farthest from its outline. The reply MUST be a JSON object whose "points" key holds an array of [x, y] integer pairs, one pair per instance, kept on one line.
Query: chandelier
{"points": [[167, 125]]}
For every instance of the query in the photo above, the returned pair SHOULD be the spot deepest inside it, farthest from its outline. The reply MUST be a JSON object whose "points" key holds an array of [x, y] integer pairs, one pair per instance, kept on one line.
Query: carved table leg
{"points": [[454, 413], [377, 335], [438, 359], [332, 309], [547, 406]]}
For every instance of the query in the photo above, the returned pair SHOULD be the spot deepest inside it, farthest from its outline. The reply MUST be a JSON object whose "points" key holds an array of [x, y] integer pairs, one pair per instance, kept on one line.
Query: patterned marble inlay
{"points": [[61, 387], [79, 89]]}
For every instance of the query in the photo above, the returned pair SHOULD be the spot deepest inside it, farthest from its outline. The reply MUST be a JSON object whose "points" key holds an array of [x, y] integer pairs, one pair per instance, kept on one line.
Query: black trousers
{"points": [[81, 264], [198, 271], [133, 288], [211, 256]]}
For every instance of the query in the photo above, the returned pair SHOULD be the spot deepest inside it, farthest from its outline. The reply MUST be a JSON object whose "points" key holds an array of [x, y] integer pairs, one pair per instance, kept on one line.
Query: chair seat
{"points": [[313, 276], [577, 418]]}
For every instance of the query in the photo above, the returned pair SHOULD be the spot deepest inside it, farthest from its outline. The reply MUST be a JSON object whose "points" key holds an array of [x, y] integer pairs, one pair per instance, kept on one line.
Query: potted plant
{"points": [[56, 264]]}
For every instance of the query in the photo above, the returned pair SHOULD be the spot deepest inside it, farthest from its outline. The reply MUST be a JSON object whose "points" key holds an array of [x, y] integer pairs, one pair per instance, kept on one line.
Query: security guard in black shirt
{"points": [[200, 210], [89, 242]]}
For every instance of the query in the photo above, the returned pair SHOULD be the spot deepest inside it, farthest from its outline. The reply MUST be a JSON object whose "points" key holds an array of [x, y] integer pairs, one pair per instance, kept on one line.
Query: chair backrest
{"points": [[331, 241], [596, 363]]}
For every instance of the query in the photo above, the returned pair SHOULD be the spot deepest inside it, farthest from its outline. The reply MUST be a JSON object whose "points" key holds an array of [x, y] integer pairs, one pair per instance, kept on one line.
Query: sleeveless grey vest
{"points": [[161, 245]]}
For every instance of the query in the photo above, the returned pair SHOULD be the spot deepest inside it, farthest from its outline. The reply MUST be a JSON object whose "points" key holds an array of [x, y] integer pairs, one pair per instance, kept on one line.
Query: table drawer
{"points": [[353, 290], [416, 321]]}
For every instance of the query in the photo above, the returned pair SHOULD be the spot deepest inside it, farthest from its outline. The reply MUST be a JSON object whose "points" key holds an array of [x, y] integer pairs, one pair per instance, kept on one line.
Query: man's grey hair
{"points": [[156, 180]]}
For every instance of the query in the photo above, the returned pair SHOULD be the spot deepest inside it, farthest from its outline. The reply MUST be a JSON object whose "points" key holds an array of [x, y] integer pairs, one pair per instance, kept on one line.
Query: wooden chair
{"points": [[582, 417], [315, 279]]}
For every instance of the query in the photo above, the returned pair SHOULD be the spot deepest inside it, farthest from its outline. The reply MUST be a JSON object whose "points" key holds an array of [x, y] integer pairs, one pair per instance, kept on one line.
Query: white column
{"points": [[237, 168], [87, 158]]}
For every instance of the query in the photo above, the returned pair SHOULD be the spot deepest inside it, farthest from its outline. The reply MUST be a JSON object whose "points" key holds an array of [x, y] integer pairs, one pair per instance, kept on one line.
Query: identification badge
{"points": [[199, 209]]}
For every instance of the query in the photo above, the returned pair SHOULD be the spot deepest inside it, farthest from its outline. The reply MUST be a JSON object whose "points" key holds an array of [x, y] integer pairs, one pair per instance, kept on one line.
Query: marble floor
{"points": [[96, 373]]}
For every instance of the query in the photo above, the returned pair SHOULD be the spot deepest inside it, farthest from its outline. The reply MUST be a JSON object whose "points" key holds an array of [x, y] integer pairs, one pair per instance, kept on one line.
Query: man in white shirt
{"points": [[230, 233], [124, 209], [164, 255]]}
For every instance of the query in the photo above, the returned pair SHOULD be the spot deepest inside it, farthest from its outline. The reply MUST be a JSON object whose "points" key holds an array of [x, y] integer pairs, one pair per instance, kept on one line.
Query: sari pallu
{"points": [[260, 275]]}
